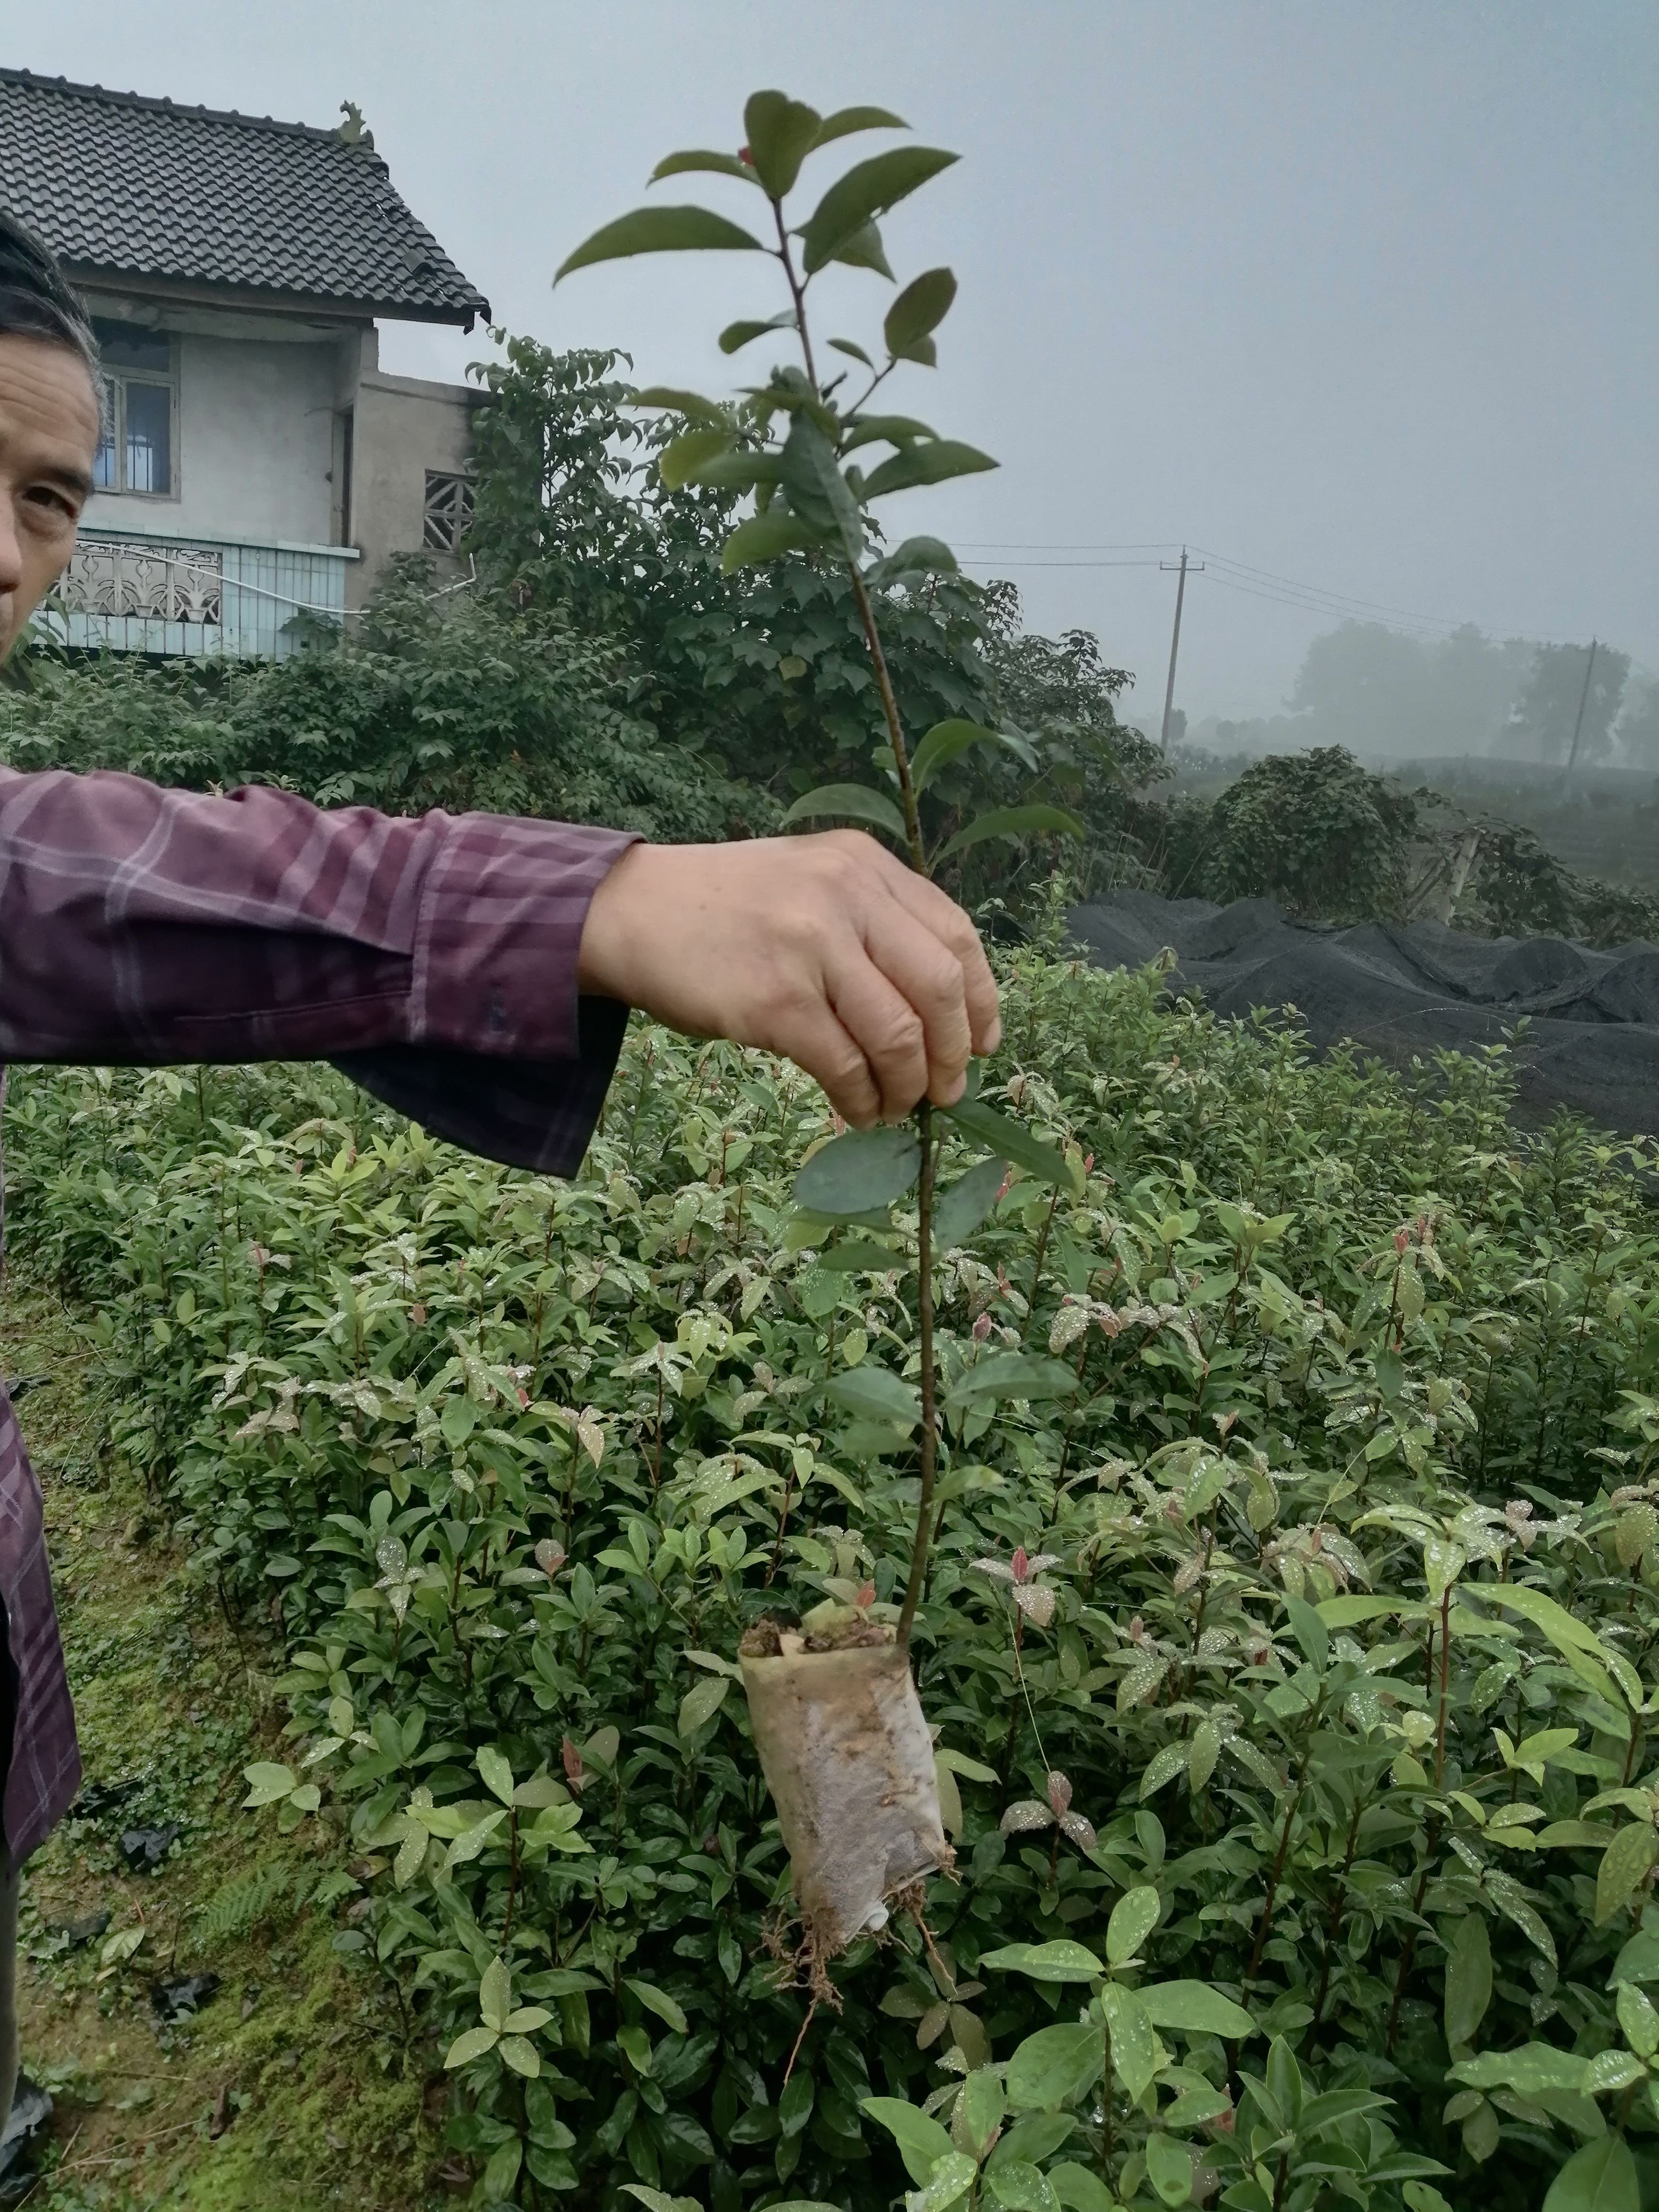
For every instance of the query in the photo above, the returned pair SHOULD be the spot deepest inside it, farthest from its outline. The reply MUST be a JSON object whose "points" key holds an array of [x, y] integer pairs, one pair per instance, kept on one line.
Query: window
{"points": [[140, 385], [448, 510]]}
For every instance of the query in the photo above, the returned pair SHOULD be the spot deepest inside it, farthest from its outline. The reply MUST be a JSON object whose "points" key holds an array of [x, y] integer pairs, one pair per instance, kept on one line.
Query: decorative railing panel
{"points": [[183, 598]]}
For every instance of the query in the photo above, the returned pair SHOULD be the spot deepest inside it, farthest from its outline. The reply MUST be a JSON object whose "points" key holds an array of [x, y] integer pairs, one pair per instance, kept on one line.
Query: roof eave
{"points": [[203, 292]]}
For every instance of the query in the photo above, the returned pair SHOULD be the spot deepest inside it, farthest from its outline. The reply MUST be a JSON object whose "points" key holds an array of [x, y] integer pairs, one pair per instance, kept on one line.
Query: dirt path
{"points": [[291, 2088]]}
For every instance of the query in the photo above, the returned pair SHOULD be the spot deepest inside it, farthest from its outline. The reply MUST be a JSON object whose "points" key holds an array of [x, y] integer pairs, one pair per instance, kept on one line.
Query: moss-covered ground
{"points": [[293, 2087]]}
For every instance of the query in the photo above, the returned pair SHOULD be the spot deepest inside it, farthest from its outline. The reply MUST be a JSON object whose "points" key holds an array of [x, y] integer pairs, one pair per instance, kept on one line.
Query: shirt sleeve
{"points": [[433, 958]]}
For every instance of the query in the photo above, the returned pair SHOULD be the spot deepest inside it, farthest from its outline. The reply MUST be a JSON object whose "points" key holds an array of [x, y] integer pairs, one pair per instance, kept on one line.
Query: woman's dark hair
{"points": [[36, 300]]}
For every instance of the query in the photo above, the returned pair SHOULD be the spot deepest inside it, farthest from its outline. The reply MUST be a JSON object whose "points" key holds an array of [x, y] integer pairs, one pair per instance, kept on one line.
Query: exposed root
{"points": [[811, 2014]]}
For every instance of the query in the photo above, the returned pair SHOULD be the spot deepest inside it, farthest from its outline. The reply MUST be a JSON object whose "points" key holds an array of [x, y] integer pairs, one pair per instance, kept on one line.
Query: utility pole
{"points": [[1584, 700], [1175, 641]]}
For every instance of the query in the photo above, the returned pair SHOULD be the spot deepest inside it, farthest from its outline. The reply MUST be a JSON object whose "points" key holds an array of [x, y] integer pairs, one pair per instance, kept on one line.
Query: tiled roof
{"points": [[140, 187]]}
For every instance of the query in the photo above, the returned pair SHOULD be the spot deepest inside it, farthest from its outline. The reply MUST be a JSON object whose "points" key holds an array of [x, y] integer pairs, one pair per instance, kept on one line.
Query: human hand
{"points": [[827, 949]]}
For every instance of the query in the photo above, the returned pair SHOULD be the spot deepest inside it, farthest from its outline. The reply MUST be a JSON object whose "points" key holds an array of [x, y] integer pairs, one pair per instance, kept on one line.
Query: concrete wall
{"points": [[403, 426], [255, 444], [270, 407]]}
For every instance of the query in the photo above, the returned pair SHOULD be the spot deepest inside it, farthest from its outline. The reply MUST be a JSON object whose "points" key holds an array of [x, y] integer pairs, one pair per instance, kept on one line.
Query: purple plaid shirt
{"points": [[434, 960]]}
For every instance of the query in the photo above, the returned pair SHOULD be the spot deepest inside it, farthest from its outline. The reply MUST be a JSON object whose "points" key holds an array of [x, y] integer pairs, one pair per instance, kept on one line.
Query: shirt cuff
{"points": [[537, 1114], [503, 911]]}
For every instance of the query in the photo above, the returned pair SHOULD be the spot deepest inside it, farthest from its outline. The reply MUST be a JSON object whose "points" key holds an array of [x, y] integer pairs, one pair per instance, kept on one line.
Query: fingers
{"points": [[929, 1036], [883, 1023], [816, 1040], [952, 927]]}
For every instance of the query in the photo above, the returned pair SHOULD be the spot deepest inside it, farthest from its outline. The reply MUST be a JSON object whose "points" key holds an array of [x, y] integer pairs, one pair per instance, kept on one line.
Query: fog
{"points": [[1359, 300]]}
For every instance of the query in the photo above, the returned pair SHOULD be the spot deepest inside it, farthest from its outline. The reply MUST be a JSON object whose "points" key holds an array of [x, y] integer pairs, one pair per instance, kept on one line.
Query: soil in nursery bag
{"points": [[850, 1761]]}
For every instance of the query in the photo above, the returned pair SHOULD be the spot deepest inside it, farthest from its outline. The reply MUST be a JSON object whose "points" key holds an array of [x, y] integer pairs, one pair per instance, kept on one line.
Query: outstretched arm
{"points": [[473, 970]]}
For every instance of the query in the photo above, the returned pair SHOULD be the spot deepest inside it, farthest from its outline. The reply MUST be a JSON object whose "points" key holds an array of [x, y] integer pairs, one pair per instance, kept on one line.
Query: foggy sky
{"points": [[1362, 296]]}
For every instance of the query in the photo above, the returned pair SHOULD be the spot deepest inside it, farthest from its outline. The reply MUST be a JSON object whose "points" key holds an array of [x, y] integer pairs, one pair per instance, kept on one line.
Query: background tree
{"points": [[1541, 724]]}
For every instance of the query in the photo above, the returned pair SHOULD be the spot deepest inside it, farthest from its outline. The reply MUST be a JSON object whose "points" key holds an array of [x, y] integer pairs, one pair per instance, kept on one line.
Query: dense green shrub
{"points": [[460, 702], [1336, 1608], [1314, 830]]}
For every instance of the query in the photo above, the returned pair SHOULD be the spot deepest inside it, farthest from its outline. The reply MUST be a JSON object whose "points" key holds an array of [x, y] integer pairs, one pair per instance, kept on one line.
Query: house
{"points": [[259, 467]]}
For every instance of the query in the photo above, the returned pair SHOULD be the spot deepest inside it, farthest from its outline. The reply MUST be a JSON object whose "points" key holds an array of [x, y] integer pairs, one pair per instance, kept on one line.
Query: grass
{"points": [[295, 2086]]}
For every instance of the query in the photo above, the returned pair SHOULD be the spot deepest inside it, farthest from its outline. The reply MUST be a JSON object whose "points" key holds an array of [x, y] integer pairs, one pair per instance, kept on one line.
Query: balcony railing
{"points": [[200, 596]]}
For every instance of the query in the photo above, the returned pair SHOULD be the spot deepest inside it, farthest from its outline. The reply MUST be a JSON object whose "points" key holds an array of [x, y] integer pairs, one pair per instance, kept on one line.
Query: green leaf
{"points": [[1012, 1374], [815, 488], [887, 430], [867, 190], [766, 537], [1133, 1918], [735, 469], [1309, 1631], [920, 2139], [635, 2045], [981, 2111], [1625, 1866], [503, 2170], [1008, 1139], [952, 2178], [859, 1171], [520, 2053], [1195, 2009], [1135, 2046], [948, 741], [919, 310], [862, 1257], [1534, 2068], [691, 404], [698, 160], [655, 2201], [473, 2045], [916, 556], [736, 336], [701, 1703], [1639, 1959], [1033, 821], [1021, 2186], [1638, 2020], [848, 801], [1062, 1960], [1168, 2168], [269, 1782], [494, 1995], [680, 460], [848, 119], [934, 460], [1600, 2177], [1055, 2066], [1079, 2190], [855, 352], [1164, 1767], [1468, 1980], [781, 133], [959, 1209], [658, 2002], [497, 1774], [877, 1394], [659, 230], [1543, 1611], [864, 250]]}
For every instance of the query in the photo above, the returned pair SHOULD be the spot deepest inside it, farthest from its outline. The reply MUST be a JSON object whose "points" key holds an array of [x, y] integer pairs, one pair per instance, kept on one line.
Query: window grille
{"points": [[448, 510], [138, 453]]}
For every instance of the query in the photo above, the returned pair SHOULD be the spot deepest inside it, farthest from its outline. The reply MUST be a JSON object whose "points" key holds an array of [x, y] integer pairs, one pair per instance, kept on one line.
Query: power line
{"points": [[1323, 592], [1318, 607]]}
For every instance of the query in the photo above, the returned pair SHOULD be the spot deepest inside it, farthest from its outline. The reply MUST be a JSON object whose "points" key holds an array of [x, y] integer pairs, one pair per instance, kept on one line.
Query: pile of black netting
{"points": [[1591, 1039]]}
